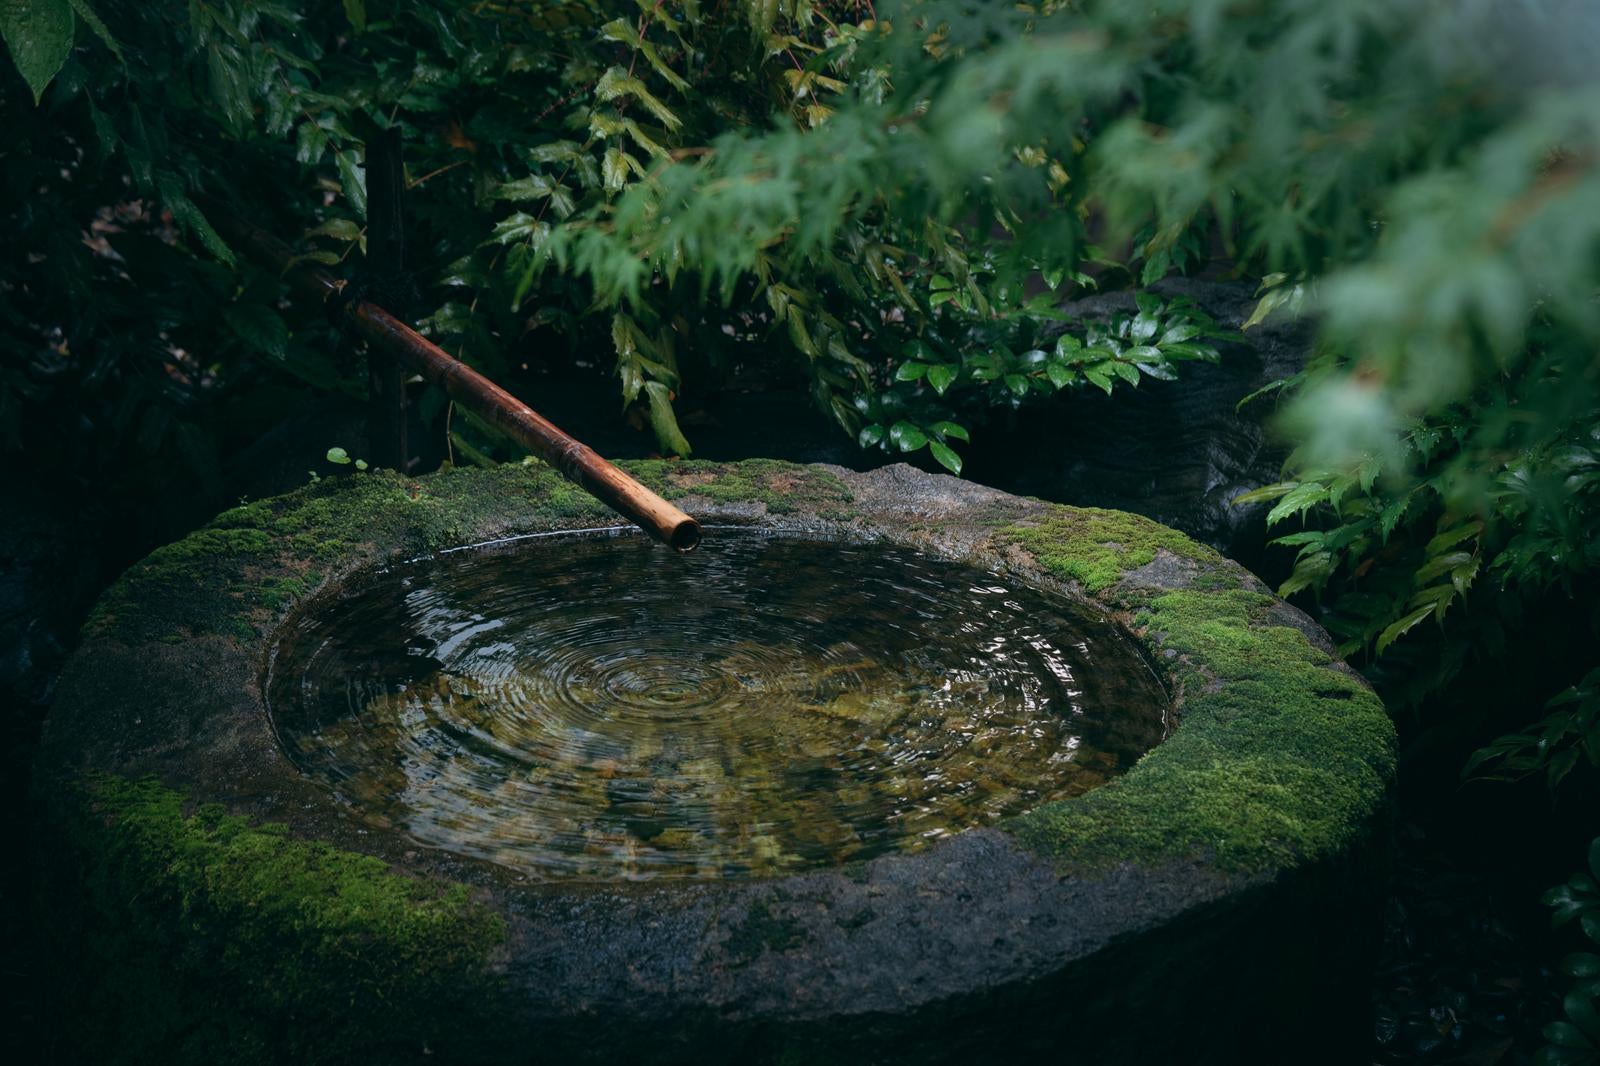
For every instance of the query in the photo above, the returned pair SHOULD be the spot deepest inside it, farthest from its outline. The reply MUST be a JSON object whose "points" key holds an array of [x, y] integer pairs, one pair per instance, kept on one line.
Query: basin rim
{"points": [[1282, 760]]}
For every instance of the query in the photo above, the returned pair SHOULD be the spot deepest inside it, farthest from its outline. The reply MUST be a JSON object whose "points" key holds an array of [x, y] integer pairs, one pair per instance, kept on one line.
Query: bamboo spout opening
{"points": [[685, 536]]}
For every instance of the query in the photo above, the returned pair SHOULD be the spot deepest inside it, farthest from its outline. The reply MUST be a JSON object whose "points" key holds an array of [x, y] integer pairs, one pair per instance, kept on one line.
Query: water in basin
{"points": [[601, 707]]}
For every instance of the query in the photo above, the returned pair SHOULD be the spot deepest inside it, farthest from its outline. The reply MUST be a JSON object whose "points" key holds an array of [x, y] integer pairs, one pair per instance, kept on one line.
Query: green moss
{"points": [[208, 939], [1095, 547], [277, 593], [257, 515], [512, 498], [210, 542], [1278, 760], [1218, 580], [782, 487], [256, 560]]}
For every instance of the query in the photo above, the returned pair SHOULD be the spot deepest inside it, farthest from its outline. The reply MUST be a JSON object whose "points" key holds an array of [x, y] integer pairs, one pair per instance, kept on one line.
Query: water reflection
{"points": [[603, 708]]}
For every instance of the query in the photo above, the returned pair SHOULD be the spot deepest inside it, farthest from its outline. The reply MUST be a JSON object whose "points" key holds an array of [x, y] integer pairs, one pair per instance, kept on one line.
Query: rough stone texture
{"points": [[1233, 865]]}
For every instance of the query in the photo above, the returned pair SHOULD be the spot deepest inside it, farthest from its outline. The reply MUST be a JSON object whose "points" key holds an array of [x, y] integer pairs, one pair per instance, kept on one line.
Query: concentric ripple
{"points": [[600, 707]]}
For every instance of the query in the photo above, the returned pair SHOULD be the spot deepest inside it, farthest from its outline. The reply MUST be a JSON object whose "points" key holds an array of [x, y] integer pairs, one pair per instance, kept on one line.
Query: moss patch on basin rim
{"points": [[228, 902], [1281, 755], [211, 932], [1095, 548], [1279, 760]]}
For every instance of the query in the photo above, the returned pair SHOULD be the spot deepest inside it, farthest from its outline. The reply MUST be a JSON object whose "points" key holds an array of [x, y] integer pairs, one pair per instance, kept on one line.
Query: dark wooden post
{"points": [[386, 393]]}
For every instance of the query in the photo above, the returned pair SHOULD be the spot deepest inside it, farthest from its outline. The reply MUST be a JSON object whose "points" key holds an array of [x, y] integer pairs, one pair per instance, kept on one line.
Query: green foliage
{"points": [[1434, 544], [1570, 732], [1575, 1040], [1444, 474], [1476, 490], [39, 35], [963, 367], [810, 179], [121, 338], [643, 176], [340, 457], [832, 185]]}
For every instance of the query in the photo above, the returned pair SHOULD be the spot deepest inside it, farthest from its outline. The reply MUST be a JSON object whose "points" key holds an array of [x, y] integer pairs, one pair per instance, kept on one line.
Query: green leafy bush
{"points": [[805, 181], [1487, 507], [1570, 732], [961, 367], [1575, 1040], [540, 134]]}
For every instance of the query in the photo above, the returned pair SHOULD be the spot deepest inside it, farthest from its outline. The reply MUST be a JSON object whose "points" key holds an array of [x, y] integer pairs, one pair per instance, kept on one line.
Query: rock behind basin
{"points": [[1215, 904]]}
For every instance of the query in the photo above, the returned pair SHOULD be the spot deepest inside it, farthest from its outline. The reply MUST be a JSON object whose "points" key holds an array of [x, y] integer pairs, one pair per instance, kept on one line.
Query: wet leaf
{"points": [[39, 36], [664, 421], [353, 180], [946, 456], [907, 437], [1400, 628]]}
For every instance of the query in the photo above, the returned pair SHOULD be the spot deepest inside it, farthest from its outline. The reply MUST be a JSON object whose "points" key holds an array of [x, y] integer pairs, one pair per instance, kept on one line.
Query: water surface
{"points": [[602, 707]]}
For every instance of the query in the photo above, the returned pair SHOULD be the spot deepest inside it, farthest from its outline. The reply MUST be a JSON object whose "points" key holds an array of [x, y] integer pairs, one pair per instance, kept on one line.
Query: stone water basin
{"points": [[877, 776]]}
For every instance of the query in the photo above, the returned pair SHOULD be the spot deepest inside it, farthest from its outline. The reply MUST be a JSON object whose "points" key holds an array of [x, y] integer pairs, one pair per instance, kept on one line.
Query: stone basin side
{"points": [[221, 907]]}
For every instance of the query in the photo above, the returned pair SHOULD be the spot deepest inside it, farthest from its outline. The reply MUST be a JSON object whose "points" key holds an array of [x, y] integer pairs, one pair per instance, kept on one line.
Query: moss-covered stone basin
{"points": [[218, 905]]}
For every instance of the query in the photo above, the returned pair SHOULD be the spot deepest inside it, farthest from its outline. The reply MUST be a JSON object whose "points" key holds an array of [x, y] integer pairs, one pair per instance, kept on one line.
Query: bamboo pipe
{"points": [[578, 462]]}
